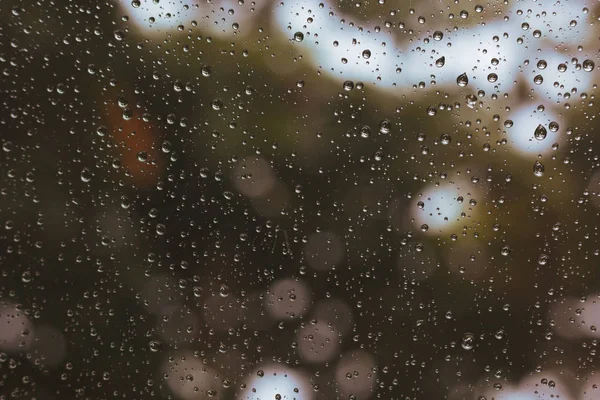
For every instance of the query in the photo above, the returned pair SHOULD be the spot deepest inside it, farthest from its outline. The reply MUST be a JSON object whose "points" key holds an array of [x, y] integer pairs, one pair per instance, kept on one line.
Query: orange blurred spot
{"points": [[137, 144]]}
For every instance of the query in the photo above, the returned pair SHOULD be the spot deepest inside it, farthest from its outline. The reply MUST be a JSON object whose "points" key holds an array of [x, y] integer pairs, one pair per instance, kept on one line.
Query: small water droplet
{"points": [[538, 169], [385, 126], [154, 346], [86, 175], [468, 341], [365, 132]]}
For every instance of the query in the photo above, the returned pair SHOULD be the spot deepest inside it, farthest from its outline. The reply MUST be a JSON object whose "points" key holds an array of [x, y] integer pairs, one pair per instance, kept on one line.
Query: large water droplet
{"points": [[440, 62], [540, 132], [588, 65], [462, 80], [542, 64]]}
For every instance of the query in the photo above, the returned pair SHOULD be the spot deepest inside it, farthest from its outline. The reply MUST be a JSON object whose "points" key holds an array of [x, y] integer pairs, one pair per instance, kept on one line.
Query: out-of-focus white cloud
{"points": [[559, 21], [224, 18], [492, 55], [157, 17], [268, 381], [560, 76], [442, 207]]}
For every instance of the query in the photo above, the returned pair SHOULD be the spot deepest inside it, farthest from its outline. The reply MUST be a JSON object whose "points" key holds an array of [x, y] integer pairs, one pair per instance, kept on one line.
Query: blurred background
{"points": [[301, 200]]}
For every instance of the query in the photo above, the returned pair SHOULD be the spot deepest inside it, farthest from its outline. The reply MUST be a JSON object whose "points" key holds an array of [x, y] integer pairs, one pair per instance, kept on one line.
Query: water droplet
{"points": [[492, 78], [224, 290], [86, 175], [154, 346], [438, 35], [385, 126], [462, 80], [365, 132], [538, 79], [468, 341], [588, 65], [440, 62], [540, 132], [366, 54], [101, 130], [206, 70], [348, 85], [538, 169], [26, 277], [142, 156], [542, 64], [298, 36]]}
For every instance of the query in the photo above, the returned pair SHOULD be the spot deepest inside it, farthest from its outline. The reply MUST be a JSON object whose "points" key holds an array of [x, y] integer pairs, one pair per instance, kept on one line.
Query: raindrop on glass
{"points": [[540, 132], [462, 80], [468, 341], [538, 169]]}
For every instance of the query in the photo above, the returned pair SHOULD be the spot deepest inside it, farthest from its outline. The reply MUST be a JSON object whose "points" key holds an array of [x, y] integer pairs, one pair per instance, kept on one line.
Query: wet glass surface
{"points": [[266, 200]]}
